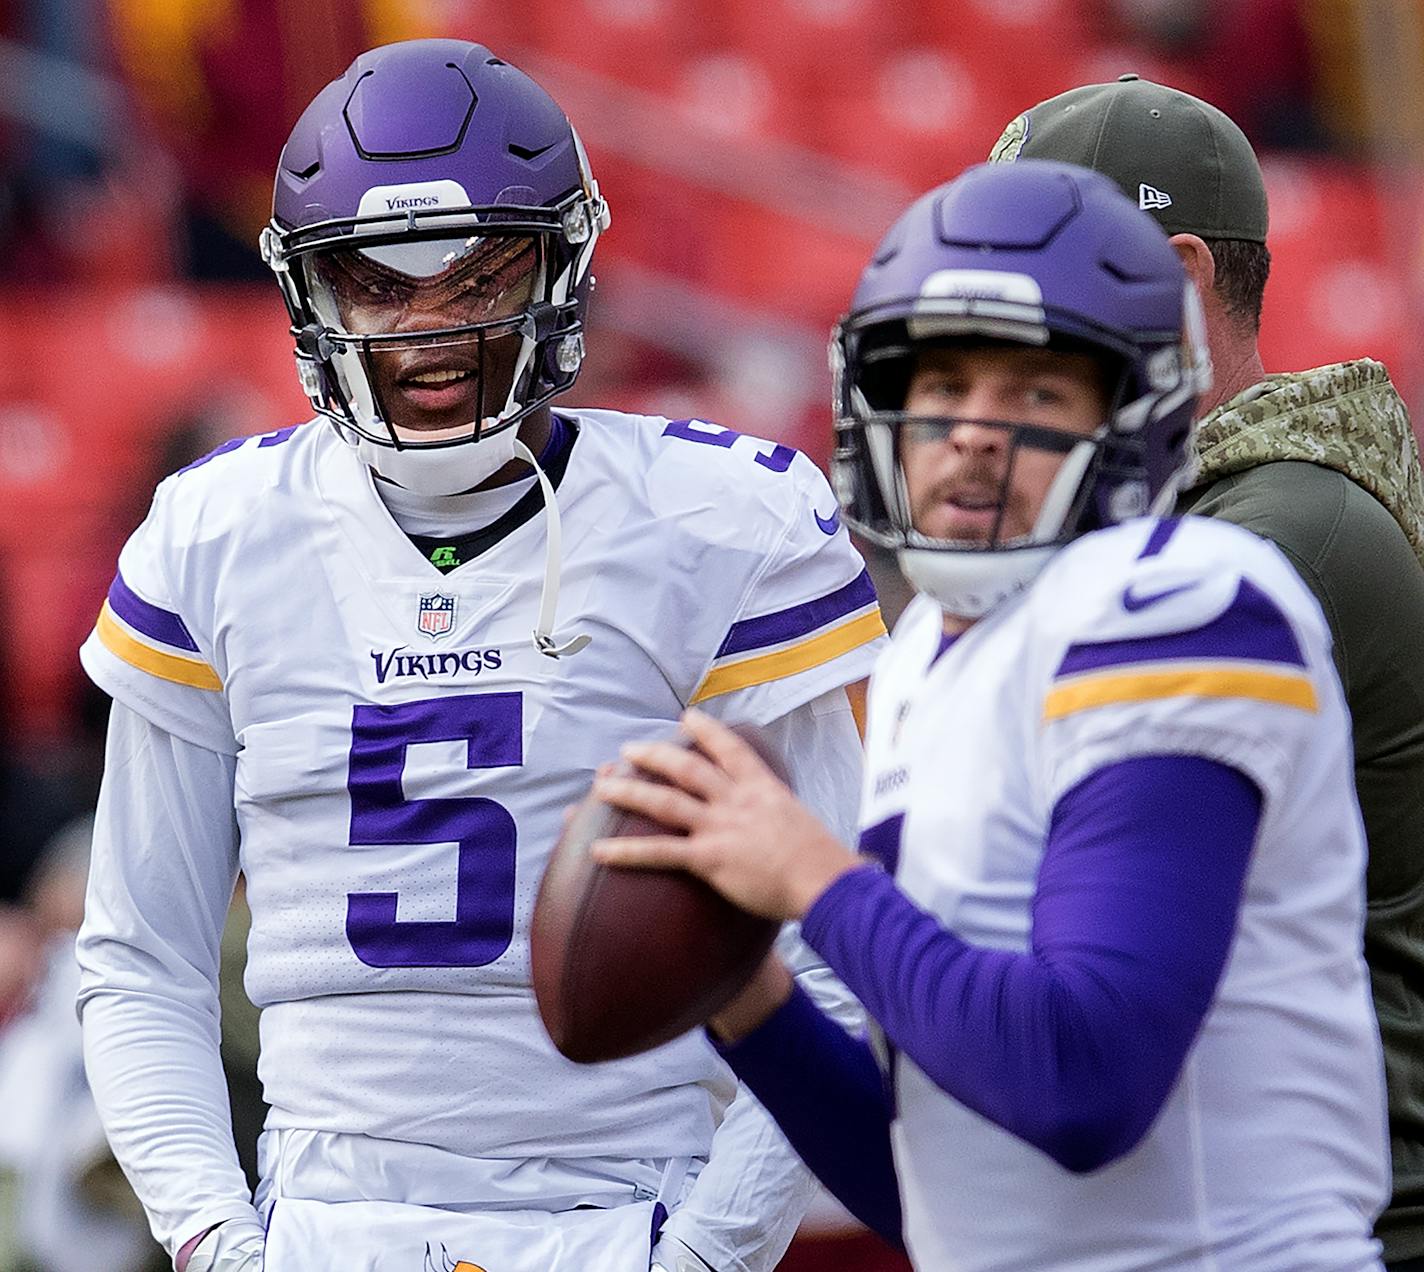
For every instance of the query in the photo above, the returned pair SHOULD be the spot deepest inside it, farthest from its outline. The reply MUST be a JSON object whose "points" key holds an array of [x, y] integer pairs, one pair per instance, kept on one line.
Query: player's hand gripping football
{"points": [[747, 834]]}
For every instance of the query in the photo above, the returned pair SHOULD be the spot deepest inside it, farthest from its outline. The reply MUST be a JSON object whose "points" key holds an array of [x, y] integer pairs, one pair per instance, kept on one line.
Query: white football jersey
{"points": [[404, 754], [1178, 637]]}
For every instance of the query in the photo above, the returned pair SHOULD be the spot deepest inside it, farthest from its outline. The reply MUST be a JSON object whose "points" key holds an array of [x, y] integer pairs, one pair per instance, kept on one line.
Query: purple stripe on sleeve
{"points": [[157, 624], [798, 620], [1157, 540], [1251, 627], [1074, 1045]]}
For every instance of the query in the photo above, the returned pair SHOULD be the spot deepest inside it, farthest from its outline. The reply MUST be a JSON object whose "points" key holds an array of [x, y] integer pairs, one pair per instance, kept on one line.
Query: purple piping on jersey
{"points": [[1157, 540], [1251, 627], [882, 841], [280, 436], [230, 445], [830, 1098], [1075, 1045], [798, 620], [554, 445], [157, 624]]}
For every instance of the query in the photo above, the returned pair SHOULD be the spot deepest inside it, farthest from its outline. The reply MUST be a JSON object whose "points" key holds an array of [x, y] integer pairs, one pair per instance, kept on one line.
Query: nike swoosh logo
{"points": [[1132, 603], [829, 525]]}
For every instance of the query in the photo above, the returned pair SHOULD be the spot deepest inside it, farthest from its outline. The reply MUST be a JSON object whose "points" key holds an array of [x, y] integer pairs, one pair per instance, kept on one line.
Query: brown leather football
{"points": [[625, 960]]}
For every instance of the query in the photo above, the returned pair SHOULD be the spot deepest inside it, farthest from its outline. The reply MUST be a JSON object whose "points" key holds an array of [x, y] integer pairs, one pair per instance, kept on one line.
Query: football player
{"points": [[1111, 934], [370, 659]]}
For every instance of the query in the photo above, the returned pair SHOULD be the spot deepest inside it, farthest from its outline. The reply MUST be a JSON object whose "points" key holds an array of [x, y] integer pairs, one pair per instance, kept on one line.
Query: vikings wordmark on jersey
{"points": [[404, 752]]}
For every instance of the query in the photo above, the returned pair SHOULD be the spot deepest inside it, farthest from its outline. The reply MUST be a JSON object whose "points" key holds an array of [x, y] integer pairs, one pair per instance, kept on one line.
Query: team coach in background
{"points": [[1324, 464]]}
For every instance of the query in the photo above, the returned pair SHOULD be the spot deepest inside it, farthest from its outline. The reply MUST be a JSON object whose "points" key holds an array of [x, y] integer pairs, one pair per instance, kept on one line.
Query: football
{"points": [[626, 960]]}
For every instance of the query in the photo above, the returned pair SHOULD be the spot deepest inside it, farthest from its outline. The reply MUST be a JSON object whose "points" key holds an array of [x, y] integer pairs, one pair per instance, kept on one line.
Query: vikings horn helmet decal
{"points": [[446, 1265], [1043, 254]]}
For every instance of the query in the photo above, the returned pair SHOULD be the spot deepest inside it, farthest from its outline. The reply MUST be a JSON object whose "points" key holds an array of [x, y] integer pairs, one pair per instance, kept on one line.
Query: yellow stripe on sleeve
{"points": [[788, 662], [1285, 689], [174, 667]]}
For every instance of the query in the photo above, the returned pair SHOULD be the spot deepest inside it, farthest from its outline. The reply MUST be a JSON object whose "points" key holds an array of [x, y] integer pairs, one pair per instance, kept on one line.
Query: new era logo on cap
{"points": [[1150, 198]]}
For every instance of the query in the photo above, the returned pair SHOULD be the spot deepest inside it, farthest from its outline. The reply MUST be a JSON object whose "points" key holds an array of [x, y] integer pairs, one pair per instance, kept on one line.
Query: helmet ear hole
{"points": [[883, 367]]}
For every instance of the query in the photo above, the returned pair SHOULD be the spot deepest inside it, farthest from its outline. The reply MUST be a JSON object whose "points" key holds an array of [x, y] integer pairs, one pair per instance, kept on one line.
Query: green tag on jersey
{"points": [[445, 557]]}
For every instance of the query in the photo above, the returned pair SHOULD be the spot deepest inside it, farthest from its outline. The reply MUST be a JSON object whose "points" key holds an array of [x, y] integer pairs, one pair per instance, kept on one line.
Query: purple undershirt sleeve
{"points": [[830, 1098], [1074, 1045]]}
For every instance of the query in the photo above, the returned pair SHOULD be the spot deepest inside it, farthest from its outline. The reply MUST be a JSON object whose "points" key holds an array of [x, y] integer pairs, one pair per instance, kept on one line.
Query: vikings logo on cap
{"points": [[436, 615], [1007, 148], [447, 1265]]}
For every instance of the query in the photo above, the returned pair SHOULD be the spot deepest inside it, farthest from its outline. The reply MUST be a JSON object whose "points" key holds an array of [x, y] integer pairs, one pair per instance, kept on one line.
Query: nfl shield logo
{"points": [[437, 614]]}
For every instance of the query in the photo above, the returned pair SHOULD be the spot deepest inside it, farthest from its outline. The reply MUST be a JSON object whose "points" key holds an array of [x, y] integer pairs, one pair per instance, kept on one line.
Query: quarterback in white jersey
{"points": [[333, 657], [1114, 951]]}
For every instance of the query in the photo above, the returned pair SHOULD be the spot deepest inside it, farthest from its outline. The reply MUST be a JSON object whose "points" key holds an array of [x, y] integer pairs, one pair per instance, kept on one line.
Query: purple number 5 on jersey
{"points": [[491, 724]]}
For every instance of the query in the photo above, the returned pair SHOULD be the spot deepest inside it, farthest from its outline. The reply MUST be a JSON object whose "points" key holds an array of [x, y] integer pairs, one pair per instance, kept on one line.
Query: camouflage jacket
{"points": [[1323, 463], [1346, 416]]}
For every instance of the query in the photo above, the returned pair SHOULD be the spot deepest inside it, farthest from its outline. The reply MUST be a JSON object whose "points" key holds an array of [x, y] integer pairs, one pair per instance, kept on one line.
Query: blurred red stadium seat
{"points": [[923, 115], [826, 42], [498, 25], [779, 262], [731, 93], [1019, 51], [1338, 285], [911, 90], [1102, 63], [90, 383], [640, 42]]}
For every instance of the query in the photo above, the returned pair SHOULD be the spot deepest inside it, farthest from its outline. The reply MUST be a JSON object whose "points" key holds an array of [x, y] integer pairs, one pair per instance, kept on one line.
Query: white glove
{"points": [[234, 1246], [670, 1255]]}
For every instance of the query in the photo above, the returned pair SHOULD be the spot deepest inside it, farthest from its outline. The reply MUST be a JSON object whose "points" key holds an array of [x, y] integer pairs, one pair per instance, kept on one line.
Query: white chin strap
{"points": [[549, 593], [444, 470], [970, 584], [451, 470]]}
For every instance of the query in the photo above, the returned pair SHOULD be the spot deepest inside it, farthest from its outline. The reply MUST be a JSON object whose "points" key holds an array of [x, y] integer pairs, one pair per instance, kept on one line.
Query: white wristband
{"points": [[234, 1246]]}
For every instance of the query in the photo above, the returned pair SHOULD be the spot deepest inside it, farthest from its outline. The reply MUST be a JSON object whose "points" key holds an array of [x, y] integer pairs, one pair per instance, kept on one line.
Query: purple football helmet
{"points": [[1042, 254], [434, 179]]}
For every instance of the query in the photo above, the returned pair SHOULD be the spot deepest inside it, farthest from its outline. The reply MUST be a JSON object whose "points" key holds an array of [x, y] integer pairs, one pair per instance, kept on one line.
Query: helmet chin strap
{"points": [[549, 594], [970, 584], [455, 469], [448, 470]]}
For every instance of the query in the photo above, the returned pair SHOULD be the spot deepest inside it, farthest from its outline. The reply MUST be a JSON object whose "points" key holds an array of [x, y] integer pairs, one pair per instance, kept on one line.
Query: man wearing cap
{"points": [[1324, 464]]}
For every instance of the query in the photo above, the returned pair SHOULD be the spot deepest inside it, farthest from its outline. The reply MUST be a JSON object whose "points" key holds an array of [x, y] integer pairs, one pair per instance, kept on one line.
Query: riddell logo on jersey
{"points": [[398, 664]]}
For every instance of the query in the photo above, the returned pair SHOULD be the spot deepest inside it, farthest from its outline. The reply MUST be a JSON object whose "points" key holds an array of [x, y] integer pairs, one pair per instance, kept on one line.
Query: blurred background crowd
{"points": [[752, 151]]}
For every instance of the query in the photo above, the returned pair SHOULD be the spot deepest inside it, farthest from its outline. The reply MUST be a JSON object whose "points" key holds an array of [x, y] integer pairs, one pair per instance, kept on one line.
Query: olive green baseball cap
{"points": [[1175, 156]]}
